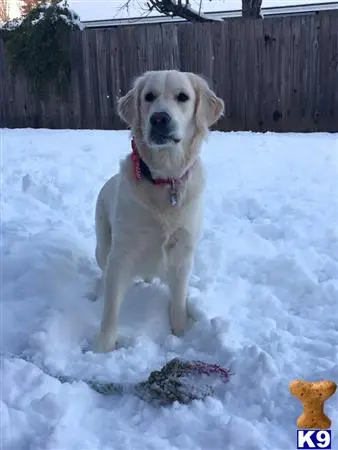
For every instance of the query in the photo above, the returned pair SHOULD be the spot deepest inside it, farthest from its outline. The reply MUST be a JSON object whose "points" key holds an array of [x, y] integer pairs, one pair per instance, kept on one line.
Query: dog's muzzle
{"points": [[162, 128]]}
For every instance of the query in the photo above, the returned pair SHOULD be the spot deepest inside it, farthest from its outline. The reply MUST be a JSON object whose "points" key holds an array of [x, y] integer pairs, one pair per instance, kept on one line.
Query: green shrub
{"points": [[39, 45]]}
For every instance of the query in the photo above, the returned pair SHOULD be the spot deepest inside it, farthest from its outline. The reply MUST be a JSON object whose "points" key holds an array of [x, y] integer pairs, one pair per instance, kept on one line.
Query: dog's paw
{"points": [[104, 344]]}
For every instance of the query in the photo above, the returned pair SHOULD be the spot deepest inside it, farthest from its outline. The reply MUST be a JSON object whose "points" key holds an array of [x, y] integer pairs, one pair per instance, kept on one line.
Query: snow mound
{"points": [[263, 295]]}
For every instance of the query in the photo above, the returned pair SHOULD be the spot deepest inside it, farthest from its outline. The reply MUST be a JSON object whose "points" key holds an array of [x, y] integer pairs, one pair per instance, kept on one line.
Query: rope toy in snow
{"points": [[178, 380]]}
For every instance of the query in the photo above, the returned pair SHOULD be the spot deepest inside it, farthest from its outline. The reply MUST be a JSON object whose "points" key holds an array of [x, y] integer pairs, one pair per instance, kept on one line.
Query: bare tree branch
{"points": [[171, 8], [27, 5], [4, 10], [182, 8]]}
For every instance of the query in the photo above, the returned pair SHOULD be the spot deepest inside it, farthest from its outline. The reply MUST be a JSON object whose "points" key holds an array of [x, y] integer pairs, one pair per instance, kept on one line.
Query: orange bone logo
{"points": [[313, 396]]}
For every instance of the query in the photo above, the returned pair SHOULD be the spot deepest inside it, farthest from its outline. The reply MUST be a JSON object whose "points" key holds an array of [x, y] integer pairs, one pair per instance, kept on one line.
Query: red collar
{"points": [[141, 170]]}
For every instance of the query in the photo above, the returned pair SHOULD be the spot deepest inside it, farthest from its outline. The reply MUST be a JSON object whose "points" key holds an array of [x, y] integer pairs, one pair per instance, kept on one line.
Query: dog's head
{"points": [[170, 107]]}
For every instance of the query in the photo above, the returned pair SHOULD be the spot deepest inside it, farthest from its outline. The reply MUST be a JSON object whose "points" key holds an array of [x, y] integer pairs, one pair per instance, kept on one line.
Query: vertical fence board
{"points": [[278, 74]]}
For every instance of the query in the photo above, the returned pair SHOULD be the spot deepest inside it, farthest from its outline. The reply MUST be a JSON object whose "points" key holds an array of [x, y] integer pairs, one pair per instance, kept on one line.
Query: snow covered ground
{"points": [[264, 289]]}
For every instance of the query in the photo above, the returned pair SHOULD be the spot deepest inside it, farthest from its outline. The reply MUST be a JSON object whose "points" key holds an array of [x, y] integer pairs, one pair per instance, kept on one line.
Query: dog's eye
{"points": [[149, 97], [182, 97]]}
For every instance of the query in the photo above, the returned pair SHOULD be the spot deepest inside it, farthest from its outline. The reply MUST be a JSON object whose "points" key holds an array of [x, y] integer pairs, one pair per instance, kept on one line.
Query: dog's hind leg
{"points": [[97, 291], [103, 234]]}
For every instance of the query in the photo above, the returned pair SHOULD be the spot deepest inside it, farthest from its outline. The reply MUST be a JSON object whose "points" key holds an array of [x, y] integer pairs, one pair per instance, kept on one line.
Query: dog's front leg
{"points": [[116, 279], [179, 260]]}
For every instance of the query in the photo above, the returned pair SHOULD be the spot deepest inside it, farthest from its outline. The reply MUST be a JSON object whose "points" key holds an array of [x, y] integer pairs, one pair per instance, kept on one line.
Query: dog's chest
{"points": [[154, 229], [150, 249]]}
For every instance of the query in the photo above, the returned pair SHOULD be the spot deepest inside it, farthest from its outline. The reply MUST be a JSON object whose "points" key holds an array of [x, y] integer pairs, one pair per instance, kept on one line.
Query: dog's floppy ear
{"points": [[209, 107], [128, 107]]}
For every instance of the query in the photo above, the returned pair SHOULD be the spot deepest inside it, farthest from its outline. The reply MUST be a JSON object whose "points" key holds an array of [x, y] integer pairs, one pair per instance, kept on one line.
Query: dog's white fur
{"points": [[138, 232]]}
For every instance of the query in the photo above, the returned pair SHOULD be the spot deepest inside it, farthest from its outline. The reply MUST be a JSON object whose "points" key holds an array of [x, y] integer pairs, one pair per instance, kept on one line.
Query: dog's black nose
{"points": [[160, 121]]}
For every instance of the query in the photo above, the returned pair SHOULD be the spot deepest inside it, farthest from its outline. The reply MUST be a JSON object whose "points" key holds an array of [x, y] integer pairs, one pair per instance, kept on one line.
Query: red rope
{"points": [[210, 369]]}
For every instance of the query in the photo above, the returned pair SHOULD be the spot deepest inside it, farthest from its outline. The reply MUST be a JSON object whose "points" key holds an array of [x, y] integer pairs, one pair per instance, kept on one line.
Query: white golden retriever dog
{"points": [[149, 215]]}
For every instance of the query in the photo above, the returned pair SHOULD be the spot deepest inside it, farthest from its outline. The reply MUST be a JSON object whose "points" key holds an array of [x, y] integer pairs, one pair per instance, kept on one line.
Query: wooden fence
{"points": [[278, 74]]}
